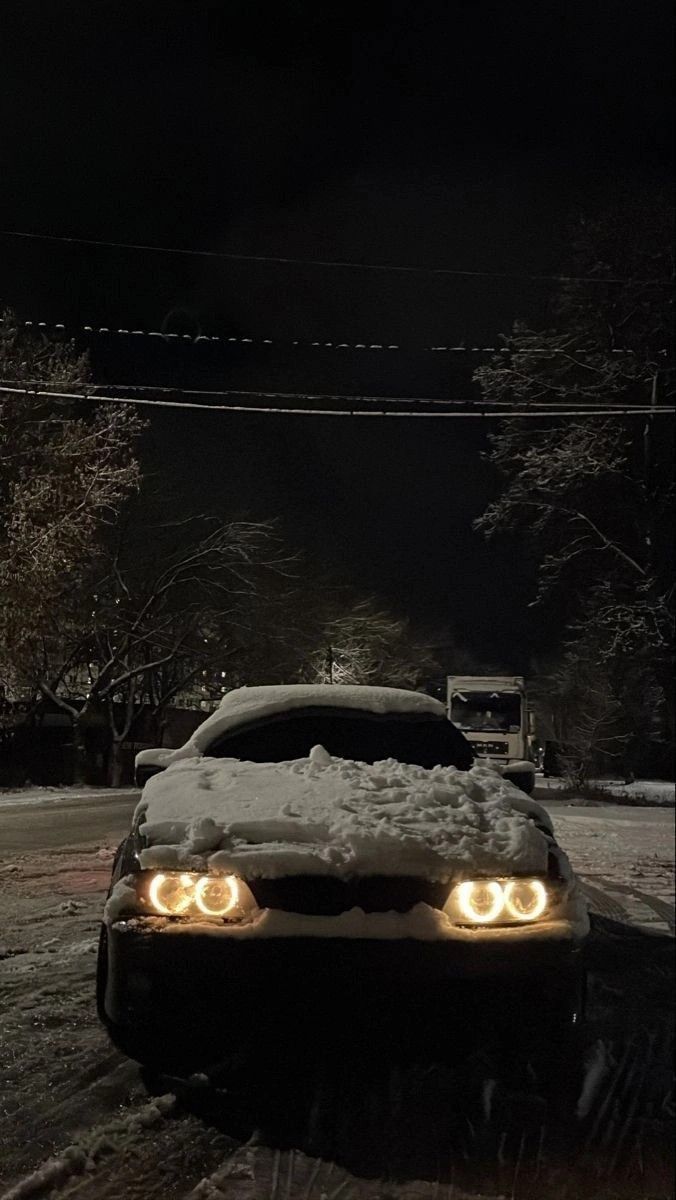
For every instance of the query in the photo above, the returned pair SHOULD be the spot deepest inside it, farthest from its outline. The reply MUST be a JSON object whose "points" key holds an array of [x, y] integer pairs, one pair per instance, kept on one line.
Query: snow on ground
{"points": [[625, 858], [324, 815], [257, 1171], [641, 792], [38, 796], [648, 791], [66, 1095]]}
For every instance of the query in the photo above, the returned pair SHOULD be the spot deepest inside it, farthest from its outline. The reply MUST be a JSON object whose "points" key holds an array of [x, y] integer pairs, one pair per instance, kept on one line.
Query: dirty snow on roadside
{"points": [[70, 1104]]}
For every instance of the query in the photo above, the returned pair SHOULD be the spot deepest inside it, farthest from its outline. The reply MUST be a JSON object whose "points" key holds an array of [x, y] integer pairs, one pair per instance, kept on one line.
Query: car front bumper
{"points": [[190, 986]]}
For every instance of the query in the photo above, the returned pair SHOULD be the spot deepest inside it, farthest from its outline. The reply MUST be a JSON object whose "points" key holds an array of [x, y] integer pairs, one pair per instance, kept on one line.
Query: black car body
{"points": [[172, 979]]}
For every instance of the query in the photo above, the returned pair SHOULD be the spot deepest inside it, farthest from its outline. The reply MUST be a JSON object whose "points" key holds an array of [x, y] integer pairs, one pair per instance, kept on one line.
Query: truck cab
{"points": [[492, 712]]}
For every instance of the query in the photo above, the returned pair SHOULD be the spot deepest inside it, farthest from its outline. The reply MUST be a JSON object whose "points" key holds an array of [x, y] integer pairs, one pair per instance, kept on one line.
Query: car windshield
{"points": [[485, 712], [426, 741]]}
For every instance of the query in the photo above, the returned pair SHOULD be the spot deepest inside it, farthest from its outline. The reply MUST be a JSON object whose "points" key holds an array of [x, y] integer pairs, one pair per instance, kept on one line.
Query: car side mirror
{"points": [[143, 773]]}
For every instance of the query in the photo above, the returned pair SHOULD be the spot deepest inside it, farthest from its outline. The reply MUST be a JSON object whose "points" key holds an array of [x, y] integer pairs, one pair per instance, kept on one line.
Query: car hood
{"points": [[326, 815]]}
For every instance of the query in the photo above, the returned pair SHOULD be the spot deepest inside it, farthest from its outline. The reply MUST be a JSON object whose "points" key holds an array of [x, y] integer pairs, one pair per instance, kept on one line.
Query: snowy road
{"points": [[76, 1120], [625, 858], [46, 818]]}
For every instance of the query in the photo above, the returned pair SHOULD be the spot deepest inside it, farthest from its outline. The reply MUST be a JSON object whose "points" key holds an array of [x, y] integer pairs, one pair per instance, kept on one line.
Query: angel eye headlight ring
{"points": [[171, 895], [480, 901], [498, 902], [187, 894], [216, 895], [525, 899]]}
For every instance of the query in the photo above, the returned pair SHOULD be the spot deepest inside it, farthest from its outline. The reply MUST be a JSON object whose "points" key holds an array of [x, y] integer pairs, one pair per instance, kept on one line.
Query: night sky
{"points": [[432, 134]]}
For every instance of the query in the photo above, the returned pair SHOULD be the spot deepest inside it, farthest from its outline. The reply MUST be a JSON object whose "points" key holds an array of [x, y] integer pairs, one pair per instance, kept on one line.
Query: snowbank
{"points": [[332, 816], [641, 793], [647, 791], [254, 703]]}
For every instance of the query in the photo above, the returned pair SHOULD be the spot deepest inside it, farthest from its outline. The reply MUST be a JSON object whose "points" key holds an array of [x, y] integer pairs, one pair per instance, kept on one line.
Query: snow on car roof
{"points": [[326, 815], [252, 703]]}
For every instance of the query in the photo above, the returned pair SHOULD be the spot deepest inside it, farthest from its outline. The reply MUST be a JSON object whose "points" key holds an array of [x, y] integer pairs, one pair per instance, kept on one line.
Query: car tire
{"points": [[558, 1050], [120, 1038], [102, 975], [563, 1062]]}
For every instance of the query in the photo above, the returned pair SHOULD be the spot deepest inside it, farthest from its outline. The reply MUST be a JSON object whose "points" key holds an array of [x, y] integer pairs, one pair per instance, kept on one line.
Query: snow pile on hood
{"points": [[246, 704], [324, 815]]}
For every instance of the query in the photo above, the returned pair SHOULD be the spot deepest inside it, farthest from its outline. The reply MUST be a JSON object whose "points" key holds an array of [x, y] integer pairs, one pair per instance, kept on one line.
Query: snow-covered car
{"points": [[309, 836]]}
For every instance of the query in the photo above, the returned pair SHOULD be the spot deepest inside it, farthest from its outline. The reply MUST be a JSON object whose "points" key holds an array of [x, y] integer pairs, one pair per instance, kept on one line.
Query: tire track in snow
{"points": [[256, 1172], [600, 902], [83, 1154], [606, 901], [148, 1152], [666, 912]]}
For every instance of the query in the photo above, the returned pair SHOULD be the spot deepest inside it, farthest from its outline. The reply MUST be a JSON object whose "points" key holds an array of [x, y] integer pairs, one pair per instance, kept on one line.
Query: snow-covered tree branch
{"points": [[593, 496]]}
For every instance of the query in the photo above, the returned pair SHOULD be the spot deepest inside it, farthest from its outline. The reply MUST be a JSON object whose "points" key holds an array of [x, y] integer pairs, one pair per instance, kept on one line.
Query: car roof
{"points": [[247, 704]]}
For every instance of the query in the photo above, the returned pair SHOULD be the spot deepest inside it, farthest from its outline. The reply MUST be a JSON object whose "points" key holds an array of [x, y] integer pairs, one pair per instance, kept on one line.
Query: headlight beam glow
{"points": [[170, 895], [498, 901], [188, 895], [481, 901], [216, 895], [525, 899]]}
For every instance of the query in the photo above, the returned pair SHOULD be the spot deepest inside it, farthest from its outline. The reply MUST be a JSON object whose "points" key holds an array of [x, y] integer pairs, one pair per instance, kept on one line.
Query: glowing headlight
{"points": [[497, 901], [482, 901], [525, 899], [216, 895], [188, 895], [171, 895]]}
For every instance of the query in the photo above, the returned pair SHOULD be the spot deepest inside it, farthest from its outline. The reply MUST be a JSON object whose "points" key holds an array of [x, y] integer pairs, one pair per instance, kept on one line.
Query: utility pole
{"points": [[647, 456]]}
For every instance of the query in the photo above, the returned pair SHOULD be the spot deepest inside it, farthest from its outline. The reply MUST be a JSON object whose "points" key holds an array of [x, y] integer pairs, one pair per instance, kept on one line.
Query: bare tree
{"points": [[579, 710], [594, 495], [66, 468], [602, 710], [355, 640], [158, 621]]}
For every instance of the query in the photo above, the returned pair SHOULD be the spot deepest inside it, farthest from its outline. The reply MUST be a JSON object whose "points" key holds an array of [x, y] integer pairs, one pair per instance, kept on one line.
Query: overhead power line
{"points": [[365, 398], [316, 343], [341, 264], [472, 410], [40, 386]]}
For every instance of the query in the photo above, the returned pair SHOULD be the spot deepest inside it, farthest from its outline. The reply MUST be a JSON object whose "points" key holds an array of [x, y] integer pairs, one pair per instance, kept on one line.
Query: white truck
{"points": [[492, 712]]}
